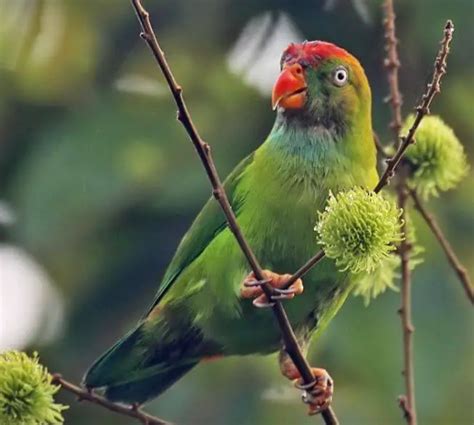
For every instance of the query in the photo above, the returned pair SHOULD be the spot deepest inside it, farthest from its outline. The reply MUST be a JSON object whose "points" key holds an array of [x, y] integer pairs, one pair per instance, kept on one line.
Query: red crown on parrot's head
{"points": [[313, 52]]}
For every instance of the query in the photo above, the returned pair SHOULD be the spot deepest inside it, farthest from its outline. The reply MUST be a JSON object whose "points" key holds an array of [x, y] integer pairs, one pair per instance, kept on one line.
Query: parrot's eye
{"points": [[340, 76]]}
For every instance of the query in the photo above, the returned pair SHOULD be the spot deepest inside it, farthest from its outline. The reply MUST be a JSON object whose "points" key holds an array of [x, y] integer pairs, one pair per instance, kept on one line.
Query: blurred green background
{"points": [[103, 183]]}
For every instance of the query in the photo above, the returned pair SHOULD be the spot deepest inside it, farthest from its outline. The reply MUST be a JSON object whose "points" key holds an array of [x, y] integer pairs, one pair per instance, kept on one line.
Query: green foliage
{"points": [[358, 229], [386, 273], [383, 277], [437, 158], [26, 392]]}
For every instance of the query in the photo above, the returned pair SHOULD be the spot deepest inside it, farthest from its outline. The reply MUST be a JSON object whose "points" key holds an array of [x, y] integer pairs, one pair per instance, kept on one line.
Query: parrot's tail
{"points": [[142, 390], [133, 371]]}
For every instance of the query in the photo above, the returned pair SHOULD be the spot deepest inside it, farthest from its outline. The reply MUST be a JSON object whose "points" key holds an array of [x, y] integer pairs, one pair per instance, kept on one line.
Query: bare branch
{"points": [[379, 146], [407, 402], [204, 152], [392, 64], [445, 245], [305, 268], [432, 89], [90, 396]]}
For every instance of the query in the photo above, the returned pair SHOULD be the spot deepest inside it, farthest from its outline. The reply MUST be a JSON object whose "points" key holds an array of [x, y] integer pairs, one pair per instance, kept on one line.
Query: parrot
{"points": [[207, 304]]}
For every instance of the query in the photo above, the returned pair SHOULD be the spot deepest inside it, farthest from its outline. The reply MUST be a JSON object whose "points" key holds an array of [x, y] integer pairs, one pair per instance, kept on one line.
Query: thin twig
{"points": [[305, 268], [432, 89], [445, 245], [407, 402], [204, 152], [379, 146], [392, 64], [131, 411]]}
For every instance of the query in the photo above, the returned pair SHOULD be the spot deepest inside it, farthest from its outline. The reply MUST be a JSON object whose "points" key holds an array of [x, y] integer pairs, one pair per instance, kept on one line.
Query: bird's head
{"points": [[321, 84]]}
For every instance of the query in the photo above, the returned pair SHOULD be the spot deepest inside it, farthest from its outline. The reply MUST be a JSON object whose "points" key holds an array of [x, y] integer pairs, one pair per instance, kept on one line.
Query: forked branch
{"points": [[92, 397]]}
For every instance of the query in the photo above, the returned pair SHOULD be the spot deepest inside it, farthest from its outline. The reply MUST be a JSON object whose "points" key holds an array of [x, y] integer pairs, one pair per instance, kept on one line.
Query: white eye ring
{"points": [[340, 76]]}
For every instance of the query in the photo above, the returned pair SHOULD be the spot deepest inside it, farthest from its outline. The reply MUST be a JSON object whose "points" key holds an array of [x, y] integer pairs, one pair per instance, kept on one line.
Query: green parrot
{"points": [[206, 304]]}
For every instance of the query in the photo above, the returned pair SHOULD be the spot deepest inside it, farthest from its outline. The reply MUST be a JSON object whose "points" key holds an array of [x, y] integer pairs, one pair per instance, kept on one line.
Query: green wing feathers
{"points": [[165, 345], [147, 361], [208, 224]]}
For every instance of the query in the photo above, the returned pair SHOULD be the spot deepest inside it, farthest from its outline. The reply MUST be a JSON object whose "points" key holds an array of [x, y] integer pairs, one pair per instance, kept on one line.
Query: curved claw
{"points": [[306, 387], [282, 297], [253, 283], [252, 288], [262, 304], [288, 291]]}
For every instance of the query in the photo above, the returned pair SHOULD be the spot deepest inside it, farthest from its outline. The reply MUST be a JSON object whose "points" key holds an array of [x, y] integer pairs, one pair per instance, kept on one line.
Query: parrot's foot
{"points": [[252, 288], [317, 395]]}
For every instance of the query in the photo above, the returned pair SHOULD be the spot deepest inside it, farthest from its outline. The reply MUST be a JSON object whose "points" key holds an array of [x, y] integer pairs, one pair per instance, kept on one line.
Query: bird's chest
{"points": [[280, 222], [280, 229]]}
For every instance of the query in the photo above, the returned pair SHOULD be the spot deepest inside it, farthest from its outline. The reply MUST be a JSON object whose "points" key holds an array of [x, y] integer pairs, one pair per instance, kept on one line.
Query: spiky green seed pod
{"points": [[358, 229], [437, 158], [26, 392]]}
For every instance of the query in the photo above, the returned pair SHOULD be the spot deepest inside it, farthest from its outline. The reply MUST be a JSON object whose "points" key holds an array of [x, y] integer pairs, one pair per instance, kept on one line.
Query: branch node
{"points": [[145, 36], [403, 403]]}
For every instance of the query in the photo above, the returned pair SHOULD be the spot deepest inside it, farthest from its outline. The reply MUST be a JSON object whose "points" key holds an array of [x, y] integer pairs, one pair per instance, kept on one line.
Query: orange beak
{"points": [[289, 91]]}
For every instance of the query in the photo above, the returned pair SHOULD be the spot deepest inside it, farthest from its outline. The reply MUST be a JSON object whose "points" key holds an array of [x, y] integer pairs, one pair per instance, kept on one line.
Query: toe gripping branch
{"points": [[317, 395], [277, 293]]}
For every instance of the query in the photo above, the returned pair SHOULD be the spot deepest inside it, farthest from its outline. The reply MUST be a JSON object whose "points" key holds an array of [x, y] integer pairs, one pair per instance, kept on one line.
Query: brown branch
{"points": [[204, 152], [432, 89], [90, 396], [305, 268], [379, 146], [445, 245], [392, 64], [407, 402]]}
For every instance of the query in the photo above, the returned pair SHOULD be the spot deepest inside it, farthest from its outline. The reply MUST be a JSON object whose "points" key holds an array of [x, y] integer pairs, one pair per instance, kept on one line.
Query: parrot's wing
{"points": [[207, 225]]}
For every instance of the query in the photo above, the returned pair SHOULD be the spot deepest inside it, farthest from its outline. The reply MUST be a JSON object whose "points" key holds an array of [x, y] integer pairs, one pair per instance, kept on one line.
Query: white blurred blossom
{"points": [[256, 53], [18, 18], [360, 6], [139, 84], [31, 310]]}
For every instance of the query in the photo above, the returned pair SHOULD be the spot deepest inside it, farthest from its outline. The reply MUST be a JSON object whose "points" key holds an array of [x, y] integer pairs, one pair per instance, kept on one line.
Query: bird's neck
{"points": [[325, 152]]}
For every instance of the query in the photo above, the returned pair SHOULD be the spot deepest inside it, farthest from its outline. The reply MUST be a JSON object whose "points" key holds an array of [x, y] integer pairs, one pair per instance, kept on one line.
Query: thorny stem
{"points": [[392, 64], [407, 402], [445, 245], [432, 89], [204, 152], [90, 396]]}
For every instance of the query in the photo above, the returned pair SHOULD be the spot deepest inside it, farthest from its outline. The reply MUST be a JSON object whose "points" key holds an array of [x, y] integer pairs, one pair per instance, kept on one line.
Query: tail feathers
{"points": [[116, 363], [132, 371], [142, 390]]}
